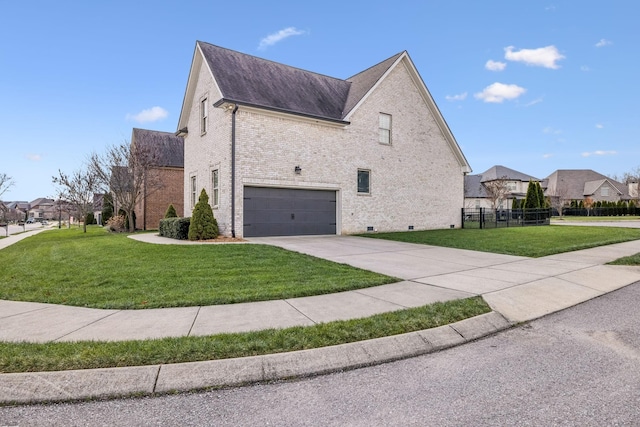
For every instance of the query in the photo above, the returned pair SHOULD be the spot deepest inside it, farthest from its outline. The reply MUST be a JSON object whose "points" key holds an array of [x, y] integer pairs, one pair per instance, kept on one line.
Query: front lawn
{"points": [[522, 241], [104, 270]]}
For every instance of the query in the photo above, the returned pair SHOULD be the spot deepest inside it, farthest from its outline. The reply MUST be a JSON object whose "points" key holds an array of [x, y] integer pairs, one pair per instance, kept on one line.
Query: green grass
{"points": [[28, 357], [628, 260], [104, 270], [522, 241]]}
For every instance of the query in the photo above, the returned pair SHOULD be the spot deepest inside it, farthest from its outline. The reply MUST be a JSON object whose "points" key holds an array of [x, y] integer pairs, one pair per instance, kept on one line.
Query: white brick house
{"points": [[285, 151]]}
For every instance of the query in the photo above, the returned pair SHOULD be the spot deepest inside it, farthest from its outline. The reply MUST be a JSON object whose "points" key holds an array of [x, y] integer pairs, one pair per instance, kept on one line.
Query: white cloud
{"points": [[274, 38], [603, 43], [540, 57], [495, 65], [34, 157], [551, 130], [459, 97], [599, 153], [498, 92], [534, 102], [599, 126], [547, 156], [151, 115]]}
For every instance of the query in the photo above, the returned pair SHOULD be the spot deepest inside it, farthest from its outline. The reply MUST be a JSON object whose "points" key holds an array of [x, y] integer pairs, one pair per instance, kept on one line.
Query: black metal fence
{"points": [[498, 218]]}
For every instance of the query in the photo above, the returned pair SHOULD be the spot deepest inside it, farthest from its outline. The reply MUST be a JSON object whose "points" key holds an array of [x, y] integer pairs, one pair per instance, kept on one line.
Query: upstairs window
{"points": [[215, 187], [203, 116], [193, 191], [363, 181], [604, 191], [384, 129]]}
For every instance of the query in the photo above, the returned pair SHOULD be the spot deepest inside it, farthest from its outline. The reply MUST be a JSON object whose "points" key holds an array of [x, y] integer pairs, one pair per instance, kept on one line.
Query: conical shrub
{"points": [[203, 225]]}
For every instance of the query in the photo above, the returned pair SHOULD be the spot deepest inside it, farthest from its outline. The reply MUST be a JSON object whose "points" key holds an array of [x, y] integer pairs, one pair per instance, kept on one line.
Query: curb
{"points": [[39, 387]]}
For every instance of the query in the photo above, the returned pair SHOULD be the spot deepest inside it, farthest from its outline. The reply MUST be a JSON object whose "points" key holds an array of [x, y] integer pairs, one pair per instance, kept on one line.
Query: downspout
{"points": [[233, 170]]}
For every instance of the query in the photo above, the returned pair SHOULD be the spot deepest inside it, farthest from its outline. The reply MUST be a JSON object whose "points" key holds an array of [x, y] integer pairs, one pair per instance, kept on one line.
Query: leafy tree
{"points": [[203, 225], [171, 212]]}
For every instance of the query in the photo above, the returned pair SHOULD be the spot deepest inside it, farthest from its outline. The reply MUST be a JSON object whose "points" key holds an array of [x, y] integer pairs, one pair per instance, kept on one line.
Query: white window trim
{"points": [[193, 189], [386, 131], [362, 193], [215, 189], [204, 115]]}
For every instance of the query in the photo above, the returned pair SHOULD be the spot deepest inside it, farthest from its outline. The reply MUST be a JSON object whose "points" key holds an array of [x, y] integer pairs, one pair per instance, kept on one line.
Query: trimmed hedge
{"points": [[175, 228]]}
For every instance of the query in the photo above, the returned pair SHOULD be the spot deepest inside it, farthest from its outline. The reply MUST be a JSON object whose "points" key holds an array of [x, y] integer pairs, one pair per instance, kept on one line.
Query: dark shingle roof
{"points": [[499, 172], [249, 80], [171, 147], [473, 187], [578, 183]]}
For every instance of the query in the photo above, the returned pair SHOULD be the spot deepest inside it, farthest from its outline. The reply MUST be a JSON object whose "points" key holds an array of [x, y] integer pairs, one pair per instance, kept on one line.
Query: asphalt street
{"points": [[577, 367]]}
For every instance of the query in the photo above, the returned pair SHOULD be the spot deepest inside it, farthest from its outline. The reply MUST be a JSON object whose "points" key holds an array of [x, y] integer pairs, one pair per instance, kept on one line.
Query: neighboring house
{"points": [[284, 151], [42, 208], [496, 188], [565, 185], [166, 178]]}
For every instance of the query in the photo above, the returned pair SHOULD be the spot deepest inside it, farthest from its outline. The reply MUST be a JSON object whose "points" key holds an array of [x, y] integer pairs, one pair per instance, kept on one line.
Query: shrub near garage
{"points": [[203, 225]]}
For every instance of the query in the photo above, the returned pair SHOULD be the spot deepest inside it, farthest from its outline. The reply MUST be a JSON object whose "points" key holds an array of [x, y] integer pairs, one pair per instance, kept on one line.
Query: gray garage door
{"points": [[288, 212]]}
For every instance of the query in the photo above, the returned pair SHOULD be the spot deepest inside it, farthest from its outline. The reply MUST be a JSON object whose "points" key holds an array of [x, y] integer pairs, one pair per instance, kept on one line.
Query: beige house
{"points": [[496, 188], [284, 151], [583, 184]]}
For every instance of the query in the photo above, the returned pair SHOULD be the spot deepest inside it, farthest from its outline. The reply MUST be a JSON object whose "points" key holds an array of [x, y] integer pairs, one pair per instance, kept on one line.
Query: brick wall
{"points": [[416, 181], [152, 206]]}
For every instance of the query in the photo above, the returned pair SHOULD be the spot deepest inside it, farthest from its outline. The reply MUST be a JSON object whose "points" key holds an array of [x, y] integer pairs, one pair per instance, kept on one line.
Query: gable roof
{"points": [[170, 146], [499, 172], [578, 183], [247, 80]]}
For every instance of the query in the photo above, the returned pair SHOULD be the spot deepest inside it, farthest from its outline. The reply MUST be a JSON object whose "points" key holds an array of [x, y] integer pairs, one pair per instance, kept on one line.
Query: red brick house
{"points": [[169, 171]]}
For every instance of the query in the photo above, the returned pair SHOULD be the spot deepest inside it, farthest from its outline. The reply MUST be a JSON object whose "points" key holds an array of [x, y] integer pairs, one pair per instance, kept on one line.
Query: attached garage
{"points": [[288, 212]]}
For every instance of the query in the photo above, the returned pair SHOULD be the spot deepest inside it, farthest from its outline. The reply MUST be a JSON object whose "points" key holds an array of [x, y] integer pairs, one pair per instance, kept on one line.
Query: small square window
{"points": [[363, 181], [384, 128]]}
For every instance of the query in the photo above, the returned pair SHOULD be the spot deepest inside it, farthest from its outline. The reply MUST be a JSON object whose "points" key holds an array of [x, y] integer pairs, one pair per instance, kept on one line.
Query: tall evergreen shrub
{"points": [[171, 212], [203, 225]]}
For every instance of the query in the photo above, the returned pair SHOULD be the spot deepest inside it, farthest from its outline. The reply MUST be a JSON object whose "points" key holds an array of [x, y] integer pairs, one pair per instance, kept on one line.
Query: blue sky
{"points": [[535, 86]]}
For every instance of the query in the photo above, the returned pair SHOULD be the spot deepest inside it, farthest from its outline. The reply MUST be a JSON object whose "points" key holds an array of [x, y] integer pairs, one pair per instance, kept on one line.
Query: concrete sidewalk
{"points": [[518, 289]]}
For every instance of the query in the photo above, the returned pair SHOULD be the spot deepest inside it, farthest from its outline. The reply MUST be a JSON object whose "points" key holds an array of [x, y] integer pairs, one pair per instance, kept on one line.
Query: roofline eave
{"points": [[228, 101]]}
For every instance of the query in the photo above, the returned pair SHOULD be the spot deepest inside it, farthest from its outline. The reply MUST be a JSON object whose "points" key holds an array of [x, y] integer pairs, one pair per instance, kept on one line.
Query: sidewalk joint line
{"points": [[194, 321]]}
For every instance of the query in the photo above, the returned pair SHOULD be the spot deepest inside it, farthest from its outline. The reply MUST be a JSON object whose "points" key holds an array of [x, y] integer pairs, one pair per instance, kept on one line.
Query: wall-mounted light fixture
{"points": [[297, 170]]}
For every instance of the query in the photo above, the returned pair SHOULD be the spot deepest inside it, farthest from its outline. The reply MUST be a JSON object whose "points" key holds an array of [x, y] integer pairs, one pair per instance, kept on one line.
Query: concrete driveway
{"points": [[519, 288]]}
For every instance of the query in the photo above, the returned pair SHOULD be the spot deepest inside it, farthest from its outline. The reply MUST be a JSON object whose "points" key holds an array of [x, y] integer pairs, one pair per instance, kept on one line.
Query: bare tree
{"points": [[5, 183], [559, 199], [497, 191], [124, 171], [77, 190]]}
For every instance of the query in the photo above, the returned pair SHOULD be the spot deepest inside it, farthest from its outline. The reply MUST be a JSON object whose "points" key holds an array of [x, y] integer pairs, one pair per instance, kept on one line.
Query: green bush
{"points": [[203, 225], [171, 212], [90, 218], [175, 228]]}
